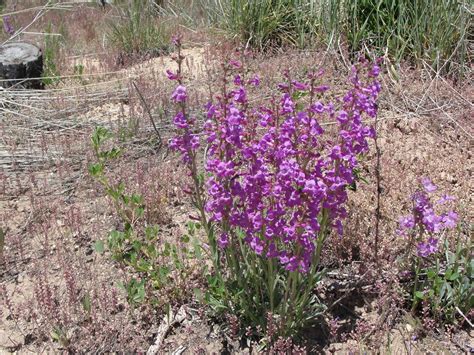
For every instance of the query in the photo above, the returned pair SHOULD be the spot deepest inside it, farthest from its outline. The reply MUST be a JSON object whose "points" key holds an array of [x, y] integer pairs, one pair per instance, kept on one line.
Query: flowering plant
{"points": [[445, 290], [276, 184], [424, 224]]}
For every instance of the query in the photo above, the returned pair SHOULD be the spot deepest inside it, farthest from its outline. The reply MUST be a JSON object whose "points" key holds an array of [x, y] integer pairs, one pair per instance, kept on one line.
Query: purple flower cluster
{"points": [[426, 220], [275, 175], [7, 25], [185, 141]]}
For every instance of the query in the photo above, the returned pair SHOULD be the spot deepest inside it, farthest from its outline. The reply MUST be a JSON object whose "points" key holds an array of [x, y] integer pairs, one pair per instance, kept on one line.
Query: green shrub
{"points": [[158, 267]]}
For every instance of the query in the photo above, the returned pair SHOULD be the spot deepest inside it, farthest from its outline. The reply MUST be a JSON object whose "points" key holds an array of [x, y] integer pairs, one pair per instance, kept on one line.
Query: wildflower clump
{"points": [[424, 224], [276, 183], [442, 267]]}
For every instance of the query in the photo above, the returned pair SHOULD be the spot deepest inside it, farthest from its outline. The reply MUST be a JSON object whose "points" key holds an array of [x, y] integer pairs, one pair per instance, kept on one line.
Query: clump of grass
{"points": [[267, 23], [51, 50], [431, 31], [140, 31]]}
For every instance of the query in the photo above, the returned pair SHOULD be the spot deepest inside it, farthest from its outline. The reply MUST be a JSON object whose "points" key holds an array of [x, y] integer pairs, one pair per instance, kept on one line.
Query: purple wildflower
{"points": [[223, 240], [300, 86], [7, 25], [255, 81], [235, 64], [171, 75], [428, 221], [428, 248], [450, 220], [179, 94], [428, 185], [176, 39], [270, 173], [445, 198]]}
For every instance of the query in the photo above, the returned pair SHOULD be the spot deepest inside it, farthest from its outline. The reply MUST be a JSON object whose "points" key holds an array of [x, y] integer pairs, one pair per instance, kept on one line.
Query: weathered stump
{"points": [[21, 64]]}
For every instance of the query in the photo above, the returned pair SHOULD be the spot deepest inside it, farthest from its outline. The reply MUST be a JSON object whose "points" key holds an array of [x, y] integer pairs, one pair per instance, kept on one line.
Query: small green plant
{"points": [[79, 72], [2, 243], [448, 287], [135, 291], [60, 335], [52, 45], [160, 265], [140, 31]]}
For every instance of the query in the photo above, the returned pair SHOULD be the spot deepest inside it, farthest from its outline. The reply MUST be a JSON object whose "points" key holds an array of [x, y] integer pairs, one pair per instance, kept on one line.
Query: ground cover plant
{"points": [[280, 190]]}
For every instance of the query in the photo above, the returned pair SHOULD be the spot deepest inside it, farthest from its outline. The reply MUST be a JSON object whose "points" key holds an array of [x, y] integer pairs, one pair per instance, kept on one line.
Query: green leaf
{"points": [[137, 199], [151, 232], [99, 246], [55, 334], [96, 170], [166, 251], [114, 153], [453, 276], [419, 295], [115, 239], [139, 211], [151, 251], [140, 292], [353, 186], [143, 265], [2, 241], [86, 303], [197, 248], [198, 294]]}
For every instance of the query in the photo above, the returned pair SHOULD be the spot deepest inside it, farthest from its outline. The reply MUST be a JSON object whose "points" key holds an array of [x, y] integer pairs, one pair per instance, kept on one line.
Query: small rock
{"points": [[450, 178], [20, 278]]}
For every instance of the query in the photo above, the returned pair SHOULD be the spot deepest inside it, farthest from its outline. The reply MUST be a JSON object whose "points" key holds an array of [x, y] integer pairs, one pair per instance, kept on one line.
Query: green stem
{"points": [[415, 286], [271, 284]]}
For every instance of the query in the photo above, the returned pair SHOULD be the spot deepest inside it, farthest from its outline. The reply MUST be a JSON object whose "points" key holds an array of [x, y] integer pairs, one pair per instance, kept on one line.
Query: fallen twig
{"points": [[465, 318], [168, 321], [147, 109]]}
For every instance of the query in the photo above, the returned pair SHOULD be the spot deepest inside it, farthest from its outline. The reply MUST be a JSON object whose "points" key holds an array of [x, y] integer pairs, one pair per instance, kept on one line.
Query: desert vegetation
{"points": [[223, 176]]}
